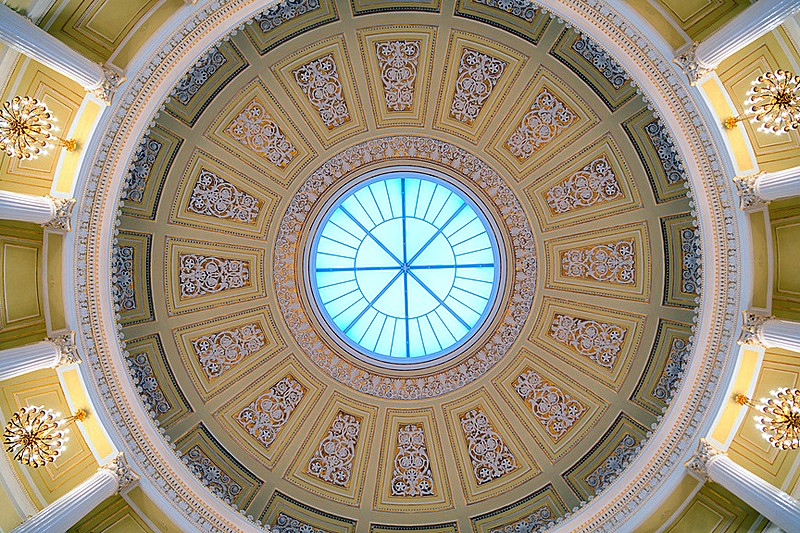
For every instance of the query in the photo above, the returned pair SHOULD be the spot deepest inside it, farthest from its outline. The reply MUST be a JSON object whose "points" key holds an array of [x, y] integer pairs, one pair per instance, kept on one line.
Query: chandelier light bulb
{"points": [[780, 422], [36, 436], [27, 128]]}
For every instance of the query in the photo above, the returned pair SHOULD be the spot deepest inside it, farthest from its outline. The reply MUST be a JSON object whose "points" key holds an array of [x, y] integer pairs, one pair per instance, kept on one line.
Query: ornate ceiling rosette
{"points": [[613, 484], [514, 310]]}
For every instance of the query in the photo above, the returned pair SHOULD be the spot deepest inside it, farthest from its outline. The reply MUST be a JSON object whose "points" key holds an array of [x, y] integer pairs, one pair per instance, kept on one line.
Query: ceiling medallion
{"points": [[479, 345]]}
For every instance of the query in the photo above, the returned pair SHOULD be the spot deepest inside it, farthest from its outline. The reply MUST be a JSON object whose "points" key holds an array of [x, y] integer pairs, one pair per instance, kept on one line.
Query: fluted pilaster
{"points": [[27, 38], [759, 18], [49, 353], [47, 211], [711, 464]]}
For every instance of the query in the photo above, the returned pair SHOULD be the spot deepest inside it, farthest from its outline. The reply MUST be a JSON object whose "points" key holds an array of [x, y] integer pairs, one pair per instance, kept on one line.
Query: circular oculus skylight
{"points": [[405, 267]]}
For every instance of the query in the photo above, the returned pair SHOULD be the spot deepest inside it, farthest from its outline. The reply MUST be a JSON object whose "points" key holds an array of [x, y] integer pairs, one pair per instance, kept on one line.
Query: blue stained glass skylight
{"points": [[404, 267]]}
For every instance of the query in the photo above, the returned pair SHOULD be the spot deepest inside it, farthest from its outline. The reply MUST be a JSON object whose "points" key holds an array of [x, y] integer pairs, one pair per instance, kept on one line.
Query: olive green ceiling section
{"points": [[114, 515], [217, 353]]}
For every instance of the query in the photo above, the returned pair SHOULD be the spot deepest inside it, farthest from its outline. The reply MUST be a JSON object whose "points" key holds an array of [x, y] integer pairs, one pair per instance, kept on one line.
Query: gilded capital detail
{"points": [[63, 214], [698, 464], [752, 325], [746, 188], [691, 66], [126, 477], [67, 349]]}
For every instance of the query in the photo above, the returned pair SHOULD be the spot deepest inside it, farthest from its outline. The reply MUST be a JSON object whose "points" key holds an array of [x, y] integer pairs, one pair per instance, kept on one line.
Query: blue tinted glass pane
{"points": [[404, 267]]}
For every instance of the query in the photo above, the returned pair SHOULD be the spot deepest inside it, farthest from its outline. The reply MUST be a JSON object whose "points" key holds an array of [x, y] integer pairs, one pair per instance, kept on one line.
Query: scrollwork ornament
{"points": [[752, 324]]}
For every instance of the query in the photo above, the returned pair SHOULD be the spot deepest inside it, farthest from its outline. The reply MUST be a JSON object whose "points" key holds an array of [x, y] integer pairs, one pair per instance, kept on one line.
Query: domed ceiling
{"points": [[598, 261]]}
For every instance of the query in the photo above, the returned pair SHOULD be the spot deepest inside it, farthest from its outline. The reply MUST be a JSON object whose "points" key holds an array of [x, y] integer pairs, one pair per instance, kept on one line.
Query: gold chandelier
{"points": [[774, 102], [779, 422], [25, 128], [36, 436]]}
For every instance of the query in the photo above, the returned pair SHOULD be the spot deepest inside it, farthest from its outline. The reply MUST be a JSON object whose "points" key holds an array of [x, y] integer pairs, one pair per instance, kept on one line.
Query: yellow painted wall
{"points": [[785, 221], [113, 516], [715, 510], [699, 18], [22, 311]]}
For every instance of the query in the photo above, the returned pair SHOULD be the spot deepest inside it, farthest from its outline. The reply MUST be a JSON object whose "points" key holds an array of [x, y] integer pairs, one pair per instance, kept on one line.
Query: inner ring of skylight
{"points": [[404, 267]]}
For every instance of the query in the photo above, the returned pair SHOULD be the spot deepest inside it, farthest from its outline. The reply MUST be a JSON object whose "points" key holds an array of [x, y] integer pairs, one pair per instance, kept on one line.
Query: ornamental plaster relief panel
{"points": [[298, 517], [557, 409], [147, 170], [548, 116], [319, 80], [283, 20], [613, 262], [606, 459], [154, 380], [490, 455], [209, 75], [528, 515], [412, 476], [398, 62], [266, 417], [130, 284], [334, 463], [595, 183], [478, 74], [224, 476], [599, 341], [204, 274], [216, 197], [683, 260], [254, 127], [665, 366], [519, 17], [216, 353], [595, 66], [659, 156]]}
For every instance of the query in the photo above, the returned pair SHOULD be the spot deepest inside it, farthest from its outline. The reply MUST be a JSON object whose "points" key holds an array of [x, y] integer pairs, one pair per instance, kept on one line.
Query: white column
{"points": [[770, 332], [26, 37], [67, 511], [711, 464], [757, 19], [49, 353], [48, 211], [762, 188]]}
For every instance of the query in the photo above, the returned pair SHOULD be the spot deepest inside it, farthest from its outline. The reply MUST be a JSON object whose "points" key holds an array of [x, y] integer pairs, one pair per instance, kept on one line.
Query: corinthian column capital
{"points": [[698, 464], [753, 329]]}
